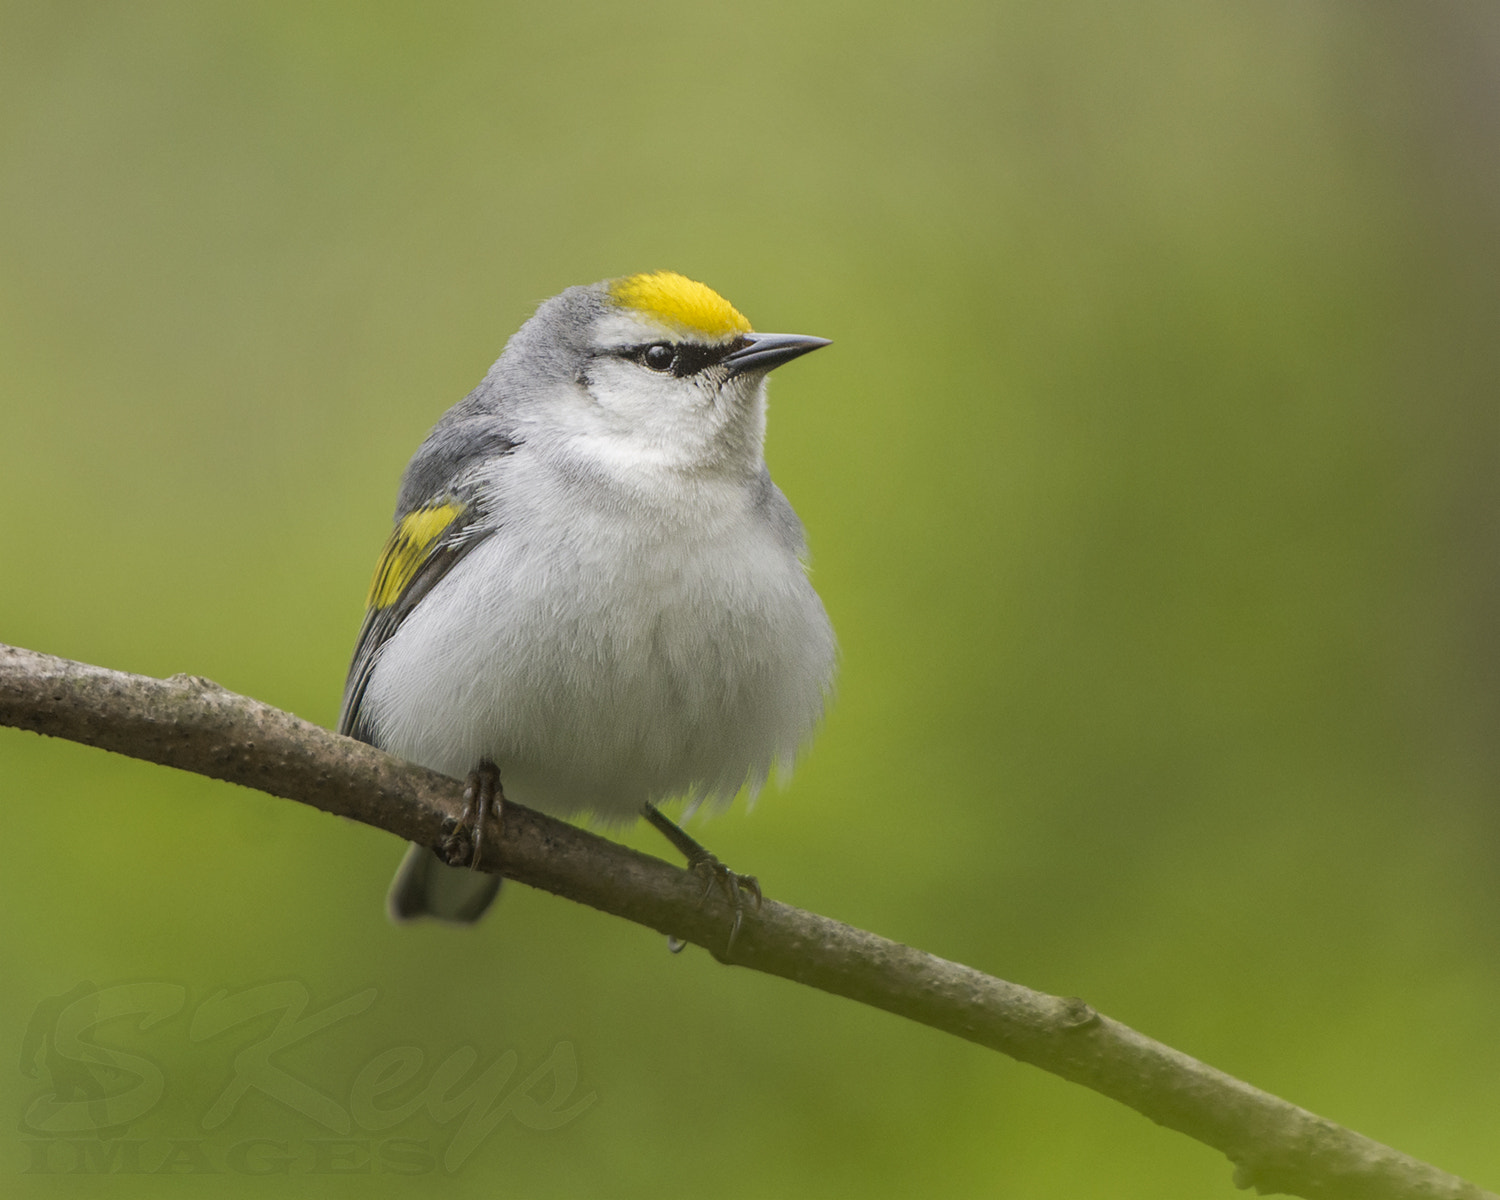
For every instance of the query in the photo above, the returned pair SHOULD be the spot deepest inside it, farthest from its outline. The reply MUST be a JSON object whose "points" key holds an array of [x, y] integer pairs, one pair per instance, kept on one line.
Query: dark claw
{"points": [[734, 886], [701, 862], [482, 800]]}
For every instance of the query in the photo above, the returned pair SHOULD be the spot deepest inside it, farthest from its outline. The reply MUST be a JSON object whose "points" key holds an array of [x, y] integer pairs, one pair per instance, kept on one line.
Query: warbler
{"points": [[594, 598]]}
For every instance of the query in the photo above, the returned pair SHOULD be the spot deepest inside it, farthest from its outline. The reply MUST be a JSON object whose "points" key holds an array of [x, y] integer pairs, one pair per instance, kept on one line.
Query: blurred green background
{"points": [[1151, 484]]}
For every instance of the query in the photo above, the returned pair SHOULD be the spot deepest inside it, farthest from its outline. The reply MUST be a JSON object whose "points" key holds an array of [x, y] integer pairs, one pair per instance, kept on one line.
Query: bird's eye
{"points": [[659, 356]]}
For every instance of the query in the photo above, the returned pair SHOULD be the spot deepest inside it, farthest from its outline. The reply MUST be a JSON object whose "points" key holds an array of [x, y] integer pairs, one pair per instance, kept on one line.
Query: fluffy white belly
{"points": [[605, 672]]}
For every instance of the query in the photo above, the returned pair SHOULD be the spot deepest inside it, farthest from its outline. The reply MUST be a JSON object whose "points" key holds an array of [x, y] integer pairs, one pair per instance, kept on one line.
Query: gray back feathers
{"points": [[547, 351]]}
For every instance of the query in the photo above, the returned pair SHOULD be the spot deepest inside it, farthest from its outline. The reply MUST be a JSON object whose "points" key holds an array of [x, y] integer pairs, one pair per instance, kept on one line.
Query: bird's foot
{"points": [[706, 865], [483, 802]]}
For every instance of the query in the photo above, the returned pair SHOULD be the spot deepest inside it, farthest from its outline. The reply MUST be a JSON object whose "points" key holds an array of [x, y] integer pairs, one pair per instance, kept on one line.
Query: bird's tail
{"points": [[426, 886]]}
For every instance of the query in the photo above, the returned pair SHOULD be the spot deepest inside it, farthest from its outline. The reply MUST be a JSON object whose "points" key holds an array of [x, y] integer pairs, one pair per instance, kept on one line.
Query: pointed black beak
{"points": [[765, 351]]}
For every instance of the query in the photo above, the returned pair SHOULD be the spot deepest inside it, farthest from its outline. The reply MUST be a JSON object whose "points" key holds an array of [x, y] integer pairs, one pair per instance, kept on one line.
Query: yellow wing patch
{"points": [[406, 550], [682, 304]]}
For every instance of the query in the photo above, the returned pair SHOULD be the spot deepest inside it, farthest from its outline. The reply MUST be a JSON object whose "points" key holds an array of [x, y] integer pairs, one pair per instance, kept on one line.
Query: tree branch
{"points": [[195, 725]]}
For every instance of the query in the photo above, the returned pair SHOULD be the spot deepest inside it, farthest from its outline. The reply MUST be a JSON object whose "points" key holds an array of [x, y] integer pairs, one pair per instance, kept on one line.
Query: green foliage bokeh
{"points": [[1150, 483]]}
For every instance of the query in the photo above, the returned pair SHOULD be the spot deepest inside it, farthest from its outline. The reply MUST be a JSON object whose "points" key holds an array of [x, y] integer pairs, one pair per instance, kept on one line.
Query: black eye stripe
{"points": [[687, 359]]}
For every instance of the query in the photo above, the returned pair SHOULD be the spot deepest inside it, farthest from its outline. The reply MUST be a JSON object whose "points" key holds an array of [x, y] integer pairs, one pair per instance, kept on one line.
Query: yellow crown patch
{"points": [[681, 304]]}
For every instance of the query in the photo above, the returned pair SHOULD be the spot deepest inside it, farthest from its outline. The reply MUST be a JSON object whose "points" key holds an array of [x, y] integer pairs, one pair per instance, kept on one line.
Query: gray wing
{"points": [[427, 543], [438, 521]]}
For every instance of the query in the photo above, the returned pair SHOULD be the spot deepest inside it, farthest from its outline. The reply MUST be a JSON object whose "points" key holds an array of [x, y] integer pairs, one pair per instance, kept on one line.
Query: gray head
{"points": [[646, 372]]}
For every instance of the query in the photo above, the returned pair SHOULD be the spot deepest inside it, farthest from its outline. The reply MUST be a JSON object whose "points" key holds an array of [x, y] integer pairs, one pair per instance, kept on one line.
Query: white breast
{"points": [[605, 655]]}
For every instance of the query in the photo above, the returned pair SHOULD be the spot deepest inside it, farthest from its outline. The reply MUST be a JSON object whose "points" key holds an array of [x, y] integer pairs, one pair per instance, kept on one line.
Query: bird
{"points": [[593, 599]]}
